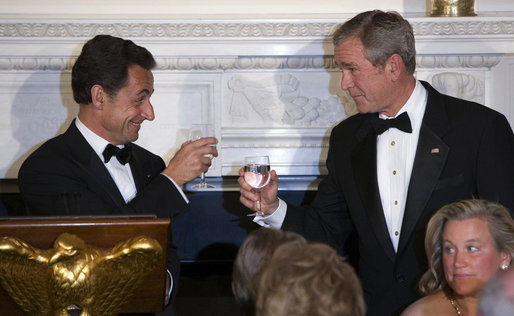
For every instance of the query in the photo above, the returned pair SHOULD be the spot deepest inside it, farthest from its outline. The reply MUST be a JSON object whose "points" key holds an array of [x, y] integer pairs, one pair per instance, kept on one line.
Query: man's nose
{"points": [[346, 80], [147, 111]]}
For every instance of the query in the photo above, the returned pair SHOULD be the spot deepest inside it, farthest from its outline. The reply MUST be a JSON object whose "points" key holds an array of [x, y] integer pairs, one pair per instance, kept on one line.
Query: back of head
{"points": [[382, 34], [308, 280], [105, 60], [254, 251], [501, 229], [497, 297]]}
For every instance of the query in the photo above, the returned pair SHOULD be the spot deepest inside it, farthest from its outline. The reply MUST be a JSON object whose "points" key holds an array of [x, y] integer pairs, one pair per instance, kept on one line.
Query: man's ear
{"points": [[97, 96], [395, 63]]}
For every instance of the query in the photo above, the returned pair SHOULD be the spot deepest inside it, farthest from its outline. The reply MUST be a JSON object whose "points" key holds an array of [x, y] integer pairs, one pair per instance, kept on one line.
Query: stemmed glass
{"points": [[257, 175], [196, 132]]}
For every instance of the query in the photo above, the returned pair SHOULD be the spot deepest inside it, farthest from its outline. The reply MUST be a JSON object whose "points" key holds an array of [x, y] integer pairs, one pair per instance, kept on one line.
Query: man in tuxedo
{"points": [[94, 167], [409, 151]]}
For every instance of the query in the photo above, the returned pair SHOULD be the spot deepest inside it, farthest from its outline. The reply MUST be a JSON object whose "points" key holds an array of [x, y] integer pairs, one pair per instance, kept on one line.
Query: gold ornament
{"points": [[453, 8], [456, 306], [74, 275]]}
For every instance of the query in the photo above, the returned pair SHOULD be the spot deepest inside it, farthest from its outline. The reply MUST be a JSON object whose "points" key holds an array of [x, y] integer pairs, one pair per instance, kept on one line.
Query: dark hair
{"points": [[105, 61], [382, 34]]}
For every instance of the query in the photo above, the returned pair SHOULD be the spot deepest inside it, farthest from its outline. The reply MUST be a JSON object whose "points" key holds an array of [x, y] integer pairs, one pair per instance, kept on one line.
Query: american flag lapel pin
{"points": [[434, 151]]}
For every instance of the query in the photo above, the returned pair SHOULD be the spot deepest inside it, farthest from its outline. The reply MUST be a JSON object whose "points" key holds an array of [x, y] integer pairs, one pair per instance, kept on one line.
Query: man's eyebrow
{"points": [[346, 65], [144, 91]]}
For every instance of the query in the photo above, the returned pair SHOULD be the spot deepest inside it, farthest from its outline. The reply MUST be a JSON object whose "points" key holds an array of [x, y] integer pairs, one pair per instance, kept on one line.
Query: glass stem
{"points": [[259, 211]]}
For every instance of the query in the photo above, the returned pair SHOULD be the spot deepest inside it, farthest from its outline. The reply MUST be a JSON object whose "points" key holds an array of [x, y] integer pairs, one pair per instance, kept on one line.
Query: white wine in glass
{"points": [[196, 132], [257, 175]]}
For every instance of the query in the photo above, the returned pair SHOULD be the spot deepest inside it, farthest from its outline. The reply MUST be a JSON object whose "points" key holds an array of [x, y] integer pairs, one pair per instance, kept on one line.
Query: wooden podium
{"points": [[98, 231]]}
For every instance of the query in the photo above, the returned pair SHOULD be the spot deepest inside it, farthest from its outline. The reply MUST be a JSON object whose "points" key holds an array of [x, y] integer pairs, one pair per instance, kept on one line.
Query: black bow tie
{"points": [[123, 155], [402, 122]]}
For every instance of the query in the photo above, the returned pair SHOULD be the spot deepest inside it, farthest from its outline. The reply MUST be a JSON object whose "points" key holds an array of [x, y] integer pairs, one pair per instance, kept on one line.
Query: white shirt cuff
{"points": [[274, 220], [178, 188]]}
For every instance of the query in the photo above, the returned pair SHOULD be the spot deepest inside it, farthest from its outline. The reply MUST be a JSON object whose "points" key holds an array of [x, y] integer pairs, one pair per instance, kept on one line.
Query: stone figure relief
{"points": [[280, 103], [460, 85]]}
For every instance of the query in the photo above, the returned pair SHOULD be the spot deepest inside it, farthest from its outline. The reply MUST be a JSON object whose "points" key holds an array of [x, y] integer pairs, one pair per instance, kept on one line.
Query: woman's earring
{"points": [[504, 267]]}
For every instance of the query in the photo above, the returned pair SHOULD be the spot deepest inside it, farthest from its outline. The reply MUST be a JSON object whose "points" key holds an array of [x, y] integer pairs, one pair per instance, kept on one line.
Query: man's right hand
{"points": [[193, 158], [268, 194]]}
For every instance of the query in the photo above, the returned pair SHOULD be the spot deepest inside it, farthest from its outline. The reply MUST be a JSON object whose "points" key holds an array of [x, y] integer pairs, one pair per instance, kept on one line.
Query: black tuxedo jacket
{"points": [[64, 176], [465, 150]]}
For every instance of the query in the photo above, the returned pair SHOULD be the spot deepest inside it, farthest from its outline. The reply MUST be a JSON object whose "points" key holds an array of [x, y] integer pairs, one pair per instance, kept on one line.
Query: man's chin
{"points": [[132, 138]]}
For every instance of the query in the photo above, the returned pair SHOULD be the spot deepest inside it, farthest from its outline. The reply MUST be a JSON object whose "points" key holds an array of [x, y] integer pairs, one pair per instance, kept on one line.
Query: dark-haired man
{"points": [[94, 167], [409, 151]]}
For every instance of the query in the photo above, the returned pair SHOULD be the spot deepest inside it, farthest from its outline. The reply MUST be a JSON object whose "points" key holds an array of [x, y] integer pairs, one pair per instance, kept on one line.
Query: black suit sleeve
{"points": [[326, 219], [495, 163]]}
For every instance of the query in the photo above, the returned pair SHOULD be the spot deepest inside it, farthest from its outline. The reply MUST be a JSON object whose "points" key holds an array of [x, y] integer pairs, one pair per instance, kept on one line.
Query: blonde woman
{"points": [[467, 243]]}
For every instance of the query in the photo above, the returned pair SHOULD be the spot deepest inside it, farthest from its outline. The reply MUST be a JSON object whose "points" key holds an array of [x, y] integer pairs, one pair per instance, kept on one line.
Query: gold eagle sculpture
{"points": [[74, 275]]}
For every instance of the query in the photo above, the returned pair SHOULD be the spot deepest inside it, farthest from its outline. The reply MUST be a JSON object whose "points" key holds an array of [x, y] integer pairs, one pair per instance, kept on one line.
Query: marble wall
{"points": [[269, 85]]}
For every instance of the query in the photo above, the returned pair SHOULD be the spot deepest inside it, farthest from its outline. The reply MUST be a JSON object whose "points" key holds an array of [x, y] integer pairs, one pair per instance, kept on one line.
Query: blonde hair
{"points": [[254, 251], [501, 229], [308, 280]]}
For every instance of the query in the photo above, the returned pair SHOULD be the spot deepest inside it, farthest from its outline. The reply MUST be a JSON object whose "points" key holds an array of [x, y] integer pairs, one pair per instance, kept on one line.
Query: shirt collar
{"points": [[415, 106], [96, 142]]}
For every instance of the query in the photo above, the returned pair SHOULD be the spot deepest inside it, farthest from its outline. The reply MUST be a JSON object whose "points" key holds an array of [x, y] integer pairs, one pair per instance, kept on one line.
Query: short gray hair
{"points": [[382, 34]]}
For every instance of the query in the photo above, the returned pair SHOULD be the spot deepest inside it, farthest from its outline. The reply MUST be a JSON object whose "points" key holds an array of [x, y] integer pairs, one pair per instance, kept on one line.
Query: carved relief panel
{"points": [[284, 114]]}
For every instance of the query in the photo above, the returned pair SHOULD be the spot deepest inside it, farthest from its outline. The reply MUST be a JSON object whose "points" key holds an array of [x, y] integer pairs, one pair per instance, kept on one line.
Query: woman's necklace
{"points": [[454, 304]]}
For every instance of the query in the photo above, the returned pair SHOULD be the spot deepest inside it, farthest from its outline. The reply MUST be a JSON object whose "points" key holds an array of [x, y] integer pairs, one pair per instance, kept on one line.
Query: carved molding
{"points": [[472, 61], [166, 30], [238, 29], [463, 28], [247, 63]]}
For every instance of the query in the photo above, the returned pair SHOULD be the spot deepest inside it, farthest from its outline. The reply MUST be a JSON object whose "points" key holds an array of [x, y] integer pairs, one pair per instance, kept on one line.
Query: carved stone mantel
{"points": [[268, 85], [492, 33]]}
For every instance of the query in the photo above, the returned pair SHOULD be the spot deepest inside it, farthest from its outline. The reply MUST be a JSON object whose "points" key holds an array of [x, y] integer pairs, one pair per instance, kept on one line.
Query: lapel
{"points": [[429, 162], [139, 171], [93, 170], [363, 158]]}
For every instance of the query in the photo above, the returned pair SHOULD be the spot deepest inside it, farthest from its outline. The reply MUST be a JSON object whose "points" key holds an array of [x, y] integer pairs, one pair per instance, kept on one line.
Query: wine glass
{"points": [[196, 132], [257, 175]]}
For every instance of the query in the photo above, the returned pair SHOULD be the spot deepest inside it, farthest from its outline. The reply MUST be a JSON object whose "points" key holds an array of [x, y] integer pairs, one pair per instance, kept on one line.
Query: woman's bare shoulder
{"points": [[433, 304]]}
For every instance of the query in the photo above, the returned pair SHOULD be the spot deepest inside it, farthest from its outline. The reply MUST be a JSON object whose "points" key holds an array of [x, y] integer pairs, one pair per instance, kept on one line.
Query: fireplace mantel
{"points": [[268, 84], [484, 34]]}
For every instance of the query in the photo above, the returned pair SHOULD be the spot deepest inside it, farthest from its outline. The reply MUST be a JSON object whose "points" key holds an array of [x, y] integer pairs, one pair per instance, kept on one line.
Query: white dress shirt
{"points": [[395, 157]]}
